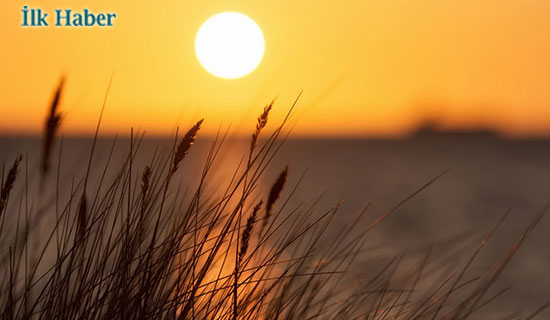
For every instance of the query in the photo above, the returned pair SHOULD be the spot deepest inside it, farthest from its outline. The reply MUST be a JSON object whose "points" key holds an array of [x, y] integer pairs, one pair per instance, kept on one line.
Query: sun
{"points": [[229, 45]]}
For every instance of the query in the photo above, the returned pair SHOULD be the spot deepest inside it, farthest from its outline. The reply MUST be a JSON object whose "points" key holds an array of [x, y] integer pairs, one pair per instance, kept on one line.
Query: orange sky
{"points": [[366, 67]]}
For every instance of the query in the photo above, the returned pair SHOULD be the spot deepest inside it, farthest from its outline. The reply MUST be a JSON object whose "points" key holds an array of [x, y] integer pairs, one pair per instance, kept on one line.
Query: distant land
{"points": [[433, 129]]}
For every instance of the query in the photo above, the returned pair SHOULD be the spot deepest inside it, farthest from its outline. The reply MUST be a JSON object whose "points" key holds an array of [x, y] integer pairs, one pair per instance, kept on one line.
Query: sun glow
{"points": [[229, 45]]}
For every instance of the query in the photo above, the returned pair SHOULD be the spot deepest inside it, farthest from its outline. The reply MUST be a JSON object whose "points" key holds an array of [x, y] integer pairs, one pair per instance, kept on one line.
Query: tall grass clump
{"points": [[138, 246]]}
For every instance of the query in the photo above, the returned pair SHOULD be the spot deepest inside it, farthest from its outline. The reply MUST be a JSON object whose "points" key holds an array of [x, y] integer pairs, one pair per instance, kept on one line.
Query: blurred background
{"points": [[367, 68]]}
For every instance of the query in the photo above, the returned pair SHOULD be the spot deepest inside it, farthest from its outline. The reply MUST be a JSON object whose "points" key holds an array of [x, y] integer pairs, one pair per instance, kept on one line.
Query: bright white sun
{"points": [[229, 45]]}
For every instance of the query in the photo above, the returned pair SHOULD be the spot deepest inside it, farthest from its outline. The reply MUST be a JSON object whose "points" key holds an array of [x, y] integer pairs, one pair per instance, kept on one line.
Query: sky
{"points": [[365, 68]]}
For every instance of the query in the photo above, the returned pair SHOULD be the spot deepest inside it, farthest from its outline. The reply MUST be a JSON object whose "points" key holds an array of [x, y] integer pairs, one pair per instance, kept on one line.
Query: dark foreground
{"points": [[486, 178]]}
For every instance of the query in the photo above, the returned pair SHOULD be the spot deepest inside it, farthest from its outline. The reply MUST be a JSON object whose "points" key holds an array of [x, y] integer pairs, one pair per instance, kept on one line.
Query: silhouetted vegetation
{"points": [[137, 247]]}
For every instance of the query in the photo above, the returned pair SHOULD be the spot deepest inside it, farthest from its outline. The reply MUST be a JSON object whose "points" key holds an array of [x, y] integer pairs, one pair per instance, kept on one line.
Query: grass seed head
{"points": [[260, 125], [8, 184], [275, 193], [248, 230], [185, 144], [51, 127]]}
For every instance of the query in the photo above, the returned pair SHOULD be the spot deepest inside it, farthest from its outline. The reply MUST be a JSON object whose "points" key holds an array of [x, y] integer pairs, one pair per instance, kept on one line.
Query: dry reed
{"points": [[9, 182], [53, 121], [275, 193], [247, 233], [260, 125], [185, 144], [146, 249]]}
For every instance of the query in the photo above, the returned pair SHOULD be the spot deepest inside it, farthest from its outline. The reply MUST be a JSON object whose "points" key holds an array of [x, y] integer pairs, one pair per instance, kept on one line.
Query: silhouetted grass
{"points": [[137, 248]]}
